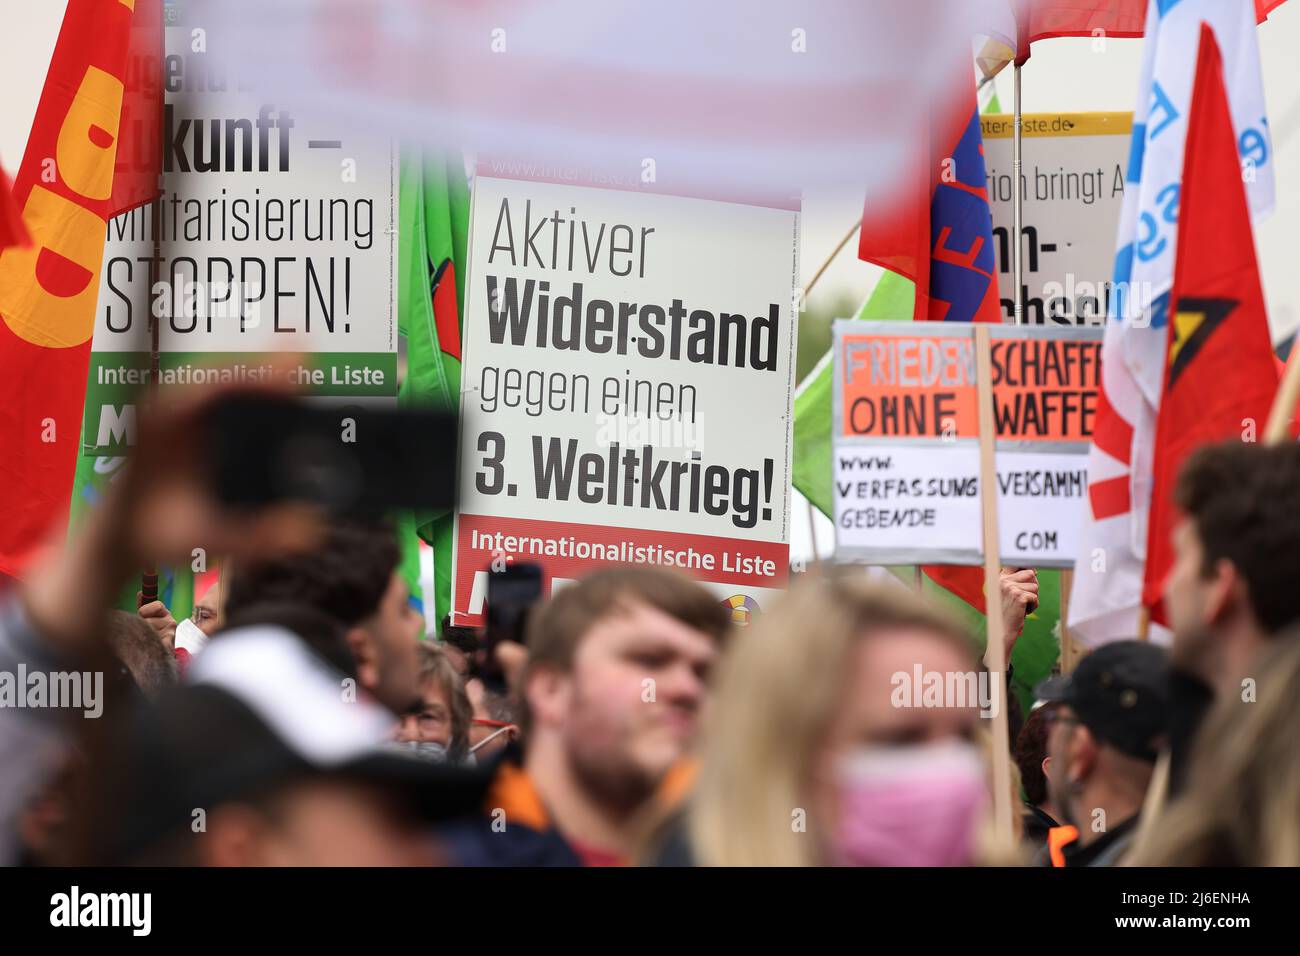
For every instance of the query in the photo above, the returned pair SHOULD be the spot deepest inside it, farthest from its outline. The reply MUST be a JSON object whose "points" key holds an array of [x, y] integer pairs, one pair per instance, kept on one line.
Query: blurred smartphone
{"points": [[349, 460], [511, 594]]}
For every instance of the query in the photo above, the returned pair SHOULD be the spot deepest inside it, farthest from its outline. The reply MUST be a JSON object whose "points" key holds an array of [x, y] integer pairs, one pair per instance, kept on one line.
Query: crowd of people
{"points": [[309, 720]]}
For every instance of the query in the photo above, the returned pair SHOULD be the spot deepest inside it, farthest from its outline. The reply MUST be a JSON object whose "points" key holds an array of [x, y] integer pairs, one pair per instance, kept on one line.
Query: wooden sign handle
{"points": [[996, 654]]}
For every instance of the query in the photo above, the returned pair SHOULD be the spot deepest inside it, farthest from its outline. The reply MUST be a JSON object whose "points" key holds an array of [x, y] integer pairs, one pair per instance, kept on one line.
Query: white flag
{"points": [[1105, 602]]}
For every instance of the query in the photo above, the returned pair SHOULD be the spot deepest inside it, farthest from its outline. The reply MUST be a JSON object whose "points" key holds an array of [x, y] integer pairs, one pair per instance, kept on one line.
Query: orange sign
{"points": [[909, 386], [1045, 389], [923, 386]]}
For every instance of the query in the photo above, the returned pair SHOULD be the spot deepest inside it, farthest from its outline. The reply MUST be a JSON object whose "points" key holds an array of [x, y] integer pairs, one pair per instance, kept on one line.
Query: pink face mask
{"points": [[909, 806]]}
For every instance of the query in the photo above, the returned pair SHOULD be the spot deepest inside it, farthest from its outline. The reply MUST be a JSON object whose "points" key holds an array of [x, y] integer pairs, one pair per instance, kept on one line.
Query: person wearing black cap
{"points": [[1111, 722], [271, 764]]}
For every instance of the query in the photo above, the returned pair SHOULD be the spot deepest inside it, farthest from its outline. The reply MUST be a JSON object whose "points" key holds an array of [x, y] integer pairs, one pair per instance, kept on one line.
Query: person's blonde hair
{"points": [[1241, 805], [778, 689]]}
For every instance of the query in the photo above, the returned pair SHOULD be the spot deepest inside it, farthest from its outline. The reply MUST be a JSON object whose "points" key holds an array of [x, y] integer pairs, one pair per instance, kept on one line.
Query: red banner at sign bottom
{"points": [[567, 551]]}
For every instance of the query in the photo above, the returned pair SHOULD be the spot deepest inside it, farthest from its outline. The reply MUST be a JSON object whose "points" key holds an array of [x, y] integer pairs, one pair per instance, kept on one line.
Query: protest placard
{"points": [[906, 461], [1072, 184], [275, 233], [627, 385]]}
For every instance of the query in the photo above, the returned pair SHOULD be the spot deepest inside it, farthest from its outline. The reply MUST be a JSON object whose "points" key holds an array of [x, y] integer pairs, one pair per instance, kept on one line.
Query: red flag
{"points": [[935, 227], [1044, 19], [1079, 18], [1116, 18], [1024, 31], [48, 291], [965, 581], [1220, 373], [12, 230], [937, 230]]}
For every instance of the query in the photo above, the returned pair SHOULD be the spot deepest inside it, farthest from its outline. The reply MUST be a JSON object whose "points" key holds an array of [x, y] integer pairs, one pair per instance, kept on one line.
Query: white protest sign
{"points": [[1072, 184], [627, 383], [277, 233], [906, 441]]}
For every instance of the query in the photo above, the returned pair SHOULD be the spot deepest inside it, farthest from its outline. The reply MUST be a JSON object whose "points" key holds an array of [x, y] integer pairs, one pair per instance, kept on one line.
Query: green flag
{"points": [[433, 233], [811, 474]]}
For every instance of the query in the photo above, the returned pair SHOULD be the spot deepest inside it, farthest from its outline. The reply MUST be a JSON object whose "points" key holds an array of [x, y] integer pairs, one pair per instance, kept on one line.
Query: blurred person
{"points": [[140, 668], [1112, 719], [323, 634], [1031, 757], [610, 696], [193, 632], [1019, 587], [461, 645], [494, 725], [207, 615], [439, 729], [283, 770], [137, 645], [812, 757], [1232, 586], [42, 824], [159, 618], [1240, 804], [157, 510], [354, 577], [144, 670]]}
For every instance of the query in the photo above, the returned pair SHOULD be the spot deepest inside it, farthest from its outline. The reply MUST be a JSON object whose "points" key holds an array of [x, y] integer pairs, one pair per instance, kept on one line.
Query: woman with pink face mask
{"points": [[845, 730]]}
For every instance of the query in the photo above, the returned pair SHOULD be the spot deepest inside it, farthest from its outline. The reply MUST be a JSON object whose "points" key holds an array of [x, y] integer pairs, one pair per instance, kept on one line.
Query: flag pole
{"points": [[1067, 639], [812, 529], [1017, 261], [995, 657], [1284, 404], [807, 290], [149, 577]]}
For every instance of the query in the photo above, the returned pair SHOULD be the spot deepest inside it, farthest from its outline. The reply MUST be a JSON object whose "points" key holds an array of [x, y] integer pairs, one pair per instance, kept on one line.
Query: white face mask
{"points": [[429, 750], [492, 736], [189, 637]]}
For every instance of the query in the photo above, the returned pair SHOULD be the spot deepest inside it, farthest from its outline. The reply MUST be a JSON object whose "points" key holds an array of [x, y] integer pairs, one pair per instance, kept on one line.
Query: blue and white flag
{"points": [[1108, 572]]}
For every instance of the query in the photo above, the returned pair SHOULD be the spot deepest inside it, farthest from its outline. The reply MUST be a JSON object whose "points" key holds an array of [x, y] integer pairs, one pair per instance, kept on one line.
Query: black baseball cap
{"points": [[261, 710], [1120, 693]]}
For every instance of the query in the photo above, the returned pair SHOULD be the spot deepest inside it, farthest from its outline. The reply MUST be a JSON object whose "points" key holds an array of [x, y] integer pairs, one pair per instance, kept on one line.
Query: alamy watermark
{"points": [[946, 689], [41, 690]]}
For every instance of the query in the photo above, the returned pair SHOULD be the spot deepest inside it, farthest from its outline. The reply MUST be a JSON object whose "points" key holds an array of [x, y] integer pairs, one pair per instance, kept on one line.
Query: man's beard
{"points": [[613, 777], [608, 771], [1060, 797]]}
